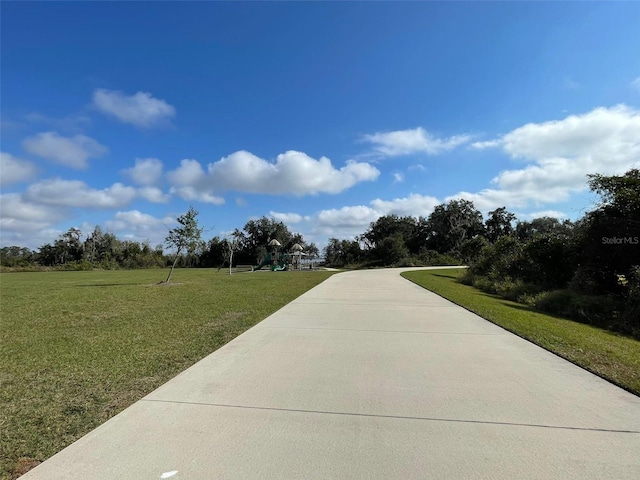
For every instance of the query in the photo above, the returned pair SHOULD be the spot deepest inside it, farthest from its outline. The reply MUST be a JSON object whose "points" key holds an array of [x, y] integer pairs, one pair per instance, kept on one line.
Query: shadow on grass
{"points": [[450, 277], [112, 285]]}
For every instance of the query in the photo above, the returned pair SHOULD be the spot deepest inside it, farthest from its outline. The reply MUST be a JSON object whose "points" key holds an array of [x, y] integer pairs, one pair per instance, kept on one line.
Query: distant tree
{"points": [[312, 250], [391, 250], [499, 223], [233, 245], [214, 254], [183, 238], [450, 224], [339, 253], [543, 226], [15, 256], [256, 234], [389, 226], [609, 236]]}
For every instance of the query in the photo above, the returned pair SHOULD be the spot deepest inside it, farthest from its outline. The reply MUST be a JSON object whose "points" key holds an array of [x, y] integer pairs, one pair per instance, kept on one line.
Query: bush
{"points": [[429, 258], [484, 284], [466, 278], [514, 289], [630, 317], [601, 310]]}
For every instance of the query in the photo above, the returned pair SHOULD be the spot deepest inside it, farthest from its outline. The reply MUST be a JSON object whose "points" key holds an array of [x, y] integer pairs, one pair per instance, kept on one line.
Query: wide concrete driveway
{"points": [[369, 376]]}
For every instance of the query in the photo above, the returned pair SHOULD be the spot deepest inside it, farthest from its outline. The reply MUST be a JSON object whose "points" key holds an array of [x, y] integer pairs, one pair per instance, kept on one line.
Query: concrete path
{"points": [[368, 376]]}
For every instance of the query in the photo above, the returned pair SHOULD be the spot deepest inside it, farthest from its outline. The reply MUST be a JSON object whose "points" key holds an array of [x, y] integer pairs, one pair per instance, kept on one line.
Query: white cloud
{"points": [[153, 194], [70, 151], [350, 221], [141, 109], [560, 154], [292, 173], [414, 205], [407, 142], [398, 177], [191, 193], [147, 171], [543, 213], [14, 170], [139, 226], [288, 218], [346, 221], [487, 144], [27, 223], [74, 193]]}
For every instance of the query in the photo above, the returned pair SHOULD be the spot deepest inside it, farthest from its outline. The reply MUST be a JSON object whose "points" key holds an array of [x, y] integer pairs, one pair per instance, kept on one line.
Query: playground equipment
{"points": [[279, 261]]}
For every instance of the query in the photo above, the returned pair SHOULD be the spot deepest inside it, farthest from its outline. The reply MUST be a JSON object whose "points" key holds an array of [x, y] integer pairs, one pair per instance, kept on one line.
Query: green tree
{"points": [[450, 224], [256, 234], [498, 224], [609, 236], [184, 238]]}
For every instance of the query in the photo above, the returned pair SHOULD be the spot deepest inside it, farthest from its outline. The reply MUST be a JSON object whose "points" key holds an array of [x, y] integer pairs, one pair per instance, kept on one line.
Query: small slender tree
{"points": [[233, 245], [184, 237]]}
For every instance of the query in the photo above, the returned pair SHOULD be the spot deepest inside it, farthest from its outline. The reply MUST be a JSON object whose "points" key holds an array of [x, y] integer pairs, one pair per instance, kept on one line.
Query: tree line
{"points": [[587, 270], [183, 247]]}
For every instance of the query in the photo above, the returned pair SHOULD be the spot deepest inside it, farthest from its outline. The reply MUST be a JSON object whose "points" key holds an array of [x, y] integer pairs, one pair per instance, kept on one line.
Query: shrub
{"points": [[430, 258], [601, 310], [484, 284], [514, 289], [466, 277]]}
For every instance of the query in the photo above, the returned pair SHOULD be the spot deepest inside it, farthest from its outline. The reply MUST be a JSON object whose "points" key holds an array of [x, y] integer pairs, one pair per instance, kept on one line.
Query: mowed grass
{"points": [[611, 356], [79, 347]]}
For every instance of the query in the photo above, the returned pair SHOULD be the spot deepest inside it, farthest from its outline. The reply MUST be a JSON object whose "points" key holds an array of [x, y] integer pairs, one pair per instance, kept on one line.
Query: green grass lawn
{"points": [[79, 347], [609, 355]]}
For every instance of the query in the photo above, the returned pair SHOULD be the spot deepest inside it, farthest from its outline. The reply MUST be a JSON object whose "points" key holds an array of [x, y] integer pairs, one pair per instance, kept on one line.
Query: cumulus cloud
{"points": [[287, 217], [414, 205], [540, 214], [153, 194], [139, 226], [408, 142], [140, 109], [27, 223], [70, 151], [354, 220], [292, 173], [14, 170], [559, 154], [74, 193], [191, 193], [147, 171]]}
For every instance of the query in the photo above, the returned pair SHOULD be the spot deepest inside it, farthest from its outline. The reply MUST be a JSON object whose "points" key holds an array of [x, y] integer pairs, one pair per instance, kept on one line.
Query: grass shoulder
{"points": [[79, 347], [611, 356]]}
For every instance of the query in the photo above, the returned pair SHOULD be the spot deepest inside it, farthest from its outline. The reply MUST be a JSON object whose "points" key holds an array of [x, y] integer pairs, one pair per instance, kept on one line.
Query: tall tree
{"points": [[450, 224], [499, 223], [610, 234], [256, 234], [185, 237]]}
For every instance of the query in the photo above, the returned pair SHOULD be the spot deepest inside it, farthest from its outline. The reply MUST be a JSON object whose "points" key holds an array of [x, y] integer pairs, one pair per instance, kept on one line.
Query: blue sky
{"points": [[323, 115]]}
